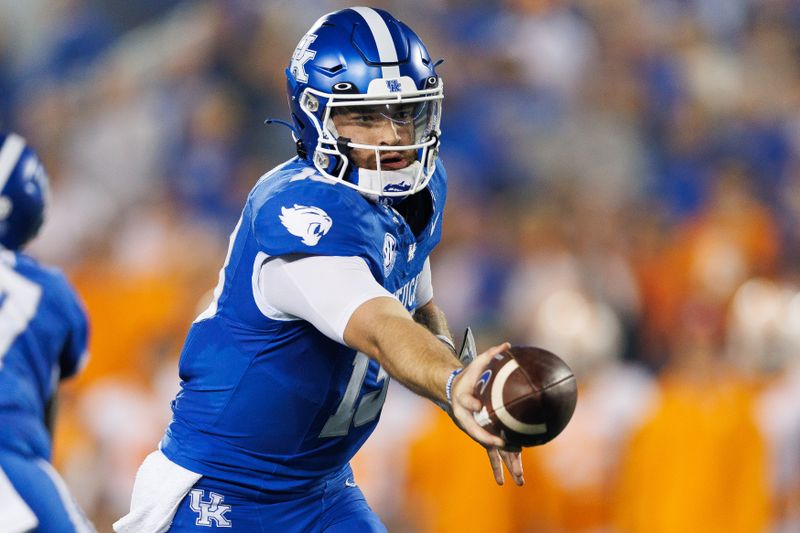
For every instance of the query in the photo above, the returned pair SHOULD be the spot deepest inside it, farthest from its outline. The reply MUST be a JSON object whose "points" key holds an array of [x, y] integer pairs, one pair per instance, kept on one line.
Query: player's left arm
{"points": [[428, 314], [433, 319]]}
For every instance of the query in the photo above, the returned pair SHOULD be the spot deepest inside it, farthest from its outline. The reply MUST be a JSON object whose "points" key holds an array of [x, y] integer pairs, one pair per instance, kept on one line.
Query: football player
{"points": [[43, 337], [325, 294]]}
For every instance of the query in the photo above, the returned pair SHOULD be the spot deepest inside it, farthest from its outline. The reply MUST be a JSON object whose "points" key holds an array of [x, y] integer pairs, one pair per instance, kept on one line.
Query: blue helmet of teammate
{"points": [[23, 192], [363, 64]]}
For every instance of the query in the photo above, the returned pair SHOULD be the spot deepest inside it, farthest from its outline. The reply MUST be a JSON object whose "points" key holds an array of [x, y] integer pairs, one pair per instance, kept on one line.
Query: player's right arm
{"points": [[385, 331], [413, 356], [339, 296]]}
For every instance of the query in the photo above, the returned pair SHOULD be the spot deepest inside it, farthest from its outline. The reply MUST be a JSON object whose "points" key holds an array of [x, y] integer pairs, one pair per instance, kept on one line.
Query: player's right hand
{"points": [[466, 404]]}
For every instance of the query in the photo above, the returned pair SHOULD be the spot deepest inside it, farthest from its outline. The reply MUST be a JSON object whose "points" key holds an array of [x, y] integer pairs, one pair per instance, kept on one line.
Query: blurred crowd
{"points": [[624, 191]]}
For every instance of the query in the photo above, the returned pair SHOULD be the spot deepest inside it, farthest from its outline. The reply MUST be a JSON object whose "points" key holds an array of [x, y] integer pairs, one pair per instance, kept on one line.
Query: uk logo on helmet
{"points": [[393, 86], [301, 56]]}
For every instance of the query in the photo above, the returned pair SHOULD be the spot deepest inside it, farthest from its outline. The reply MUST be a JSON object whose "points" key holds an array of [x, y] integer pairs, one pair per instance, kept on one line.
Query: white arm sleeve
{"points": [[323, 290], [424, 285]]}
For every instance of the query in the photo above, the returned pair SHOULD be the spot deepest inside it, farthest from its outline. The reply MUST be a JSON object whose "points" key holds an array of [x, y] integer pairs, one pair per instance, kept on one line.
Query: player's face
{"points": [[379, 125]]}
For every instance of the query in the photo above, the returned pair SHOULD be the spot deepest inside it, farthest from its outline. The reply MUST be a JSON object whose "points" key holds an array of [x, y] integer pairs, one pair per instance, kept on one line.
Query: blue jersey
{"points": [[272, 403], [43, 335]]}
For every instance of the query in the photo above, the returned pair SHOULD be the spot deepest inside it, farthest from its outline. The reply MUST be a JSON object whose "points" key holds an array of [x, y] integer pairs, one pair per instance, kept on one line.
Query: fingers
{"points": [[497, 465], [465, 382], [469, 401], [467, 422], [479, 363], [513, 461]]}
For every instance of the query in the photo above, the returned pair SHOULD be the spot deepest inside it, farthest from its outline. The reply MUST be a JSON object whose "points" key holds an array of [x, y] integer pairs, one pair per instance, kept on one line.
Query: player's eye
{"points": [[363, 118], [396, 113], [408, 113]]}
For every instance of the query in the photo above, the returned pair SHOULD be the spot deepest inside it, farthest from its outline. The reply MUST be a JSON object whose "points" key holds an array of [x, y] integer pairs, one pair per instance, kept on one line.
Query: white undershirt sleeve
{"points": [[323, 290], [425, 285]]}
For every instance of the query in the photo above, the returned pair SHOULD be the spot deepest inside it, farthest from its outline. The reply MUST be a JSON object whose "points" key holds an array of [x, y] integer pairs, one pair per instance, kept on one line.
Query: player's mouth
{"points": [[393, 161]]}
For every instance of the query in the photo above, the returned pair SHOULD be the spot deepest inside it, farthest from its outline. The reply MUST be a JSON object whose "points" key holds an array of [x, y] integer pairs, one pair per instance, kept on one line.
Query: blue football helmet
{"points": [[356, 72], [23, 192]]}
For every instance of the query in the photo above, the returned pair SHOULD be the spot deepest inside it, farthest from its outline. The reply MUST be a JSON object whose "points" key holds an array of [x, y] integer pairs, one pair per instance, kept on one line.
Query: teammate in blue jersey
{"points": [[43, 336], [325, 294]]}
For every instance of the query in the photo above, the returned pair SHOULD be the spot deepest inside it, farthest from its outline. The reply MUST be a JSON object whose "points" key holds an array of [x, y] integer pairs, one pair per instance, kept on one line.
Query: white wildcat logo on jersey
{"points": [[307, 222], [389, 253]]}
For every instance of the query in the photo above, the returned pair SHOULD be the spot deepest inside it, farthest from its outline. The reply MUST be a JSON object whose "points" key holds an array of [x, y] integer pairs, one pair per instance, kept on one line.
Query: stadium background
{"points": [[625, 190]]}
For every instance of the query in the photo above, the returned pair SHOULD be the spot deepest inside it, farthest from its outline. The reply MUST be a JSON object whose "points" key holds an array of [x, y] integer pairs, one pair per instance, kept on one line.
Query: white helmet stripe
{"points": [[9, 156], [387, 52]]}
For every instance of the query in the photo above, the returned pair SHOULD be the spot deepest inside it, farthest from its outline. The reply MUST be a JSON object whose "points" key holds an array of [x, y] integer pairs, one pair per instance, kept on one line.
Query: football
{"points": [[528, 395]]}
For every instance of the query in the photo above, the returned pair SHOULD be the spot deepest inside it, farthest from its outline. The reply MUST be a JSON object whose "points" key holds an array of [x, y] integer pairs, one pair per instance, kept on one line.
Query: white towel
{"points": [[15, 515], [159, 488]]}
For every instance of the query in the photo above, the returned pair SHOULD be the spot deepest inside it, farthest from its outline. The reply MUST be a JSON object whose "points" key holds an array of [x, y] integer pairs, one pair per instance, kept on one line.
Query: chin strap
{"points": [[344, 149], [433, 151], [280, 122], [342, 144]]}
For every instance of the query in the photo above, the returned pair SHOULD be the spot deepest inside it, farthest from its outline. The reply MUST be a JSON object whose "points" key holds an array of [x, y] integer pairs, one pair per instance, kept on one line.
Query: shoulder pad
{"points": [[310, 217]]}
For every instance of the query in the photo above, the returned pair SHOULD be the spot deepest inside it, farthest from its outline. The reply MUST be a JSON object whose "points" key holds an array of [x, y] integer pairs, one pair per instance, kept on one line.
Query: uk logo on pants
{"points": [[209, 510]]}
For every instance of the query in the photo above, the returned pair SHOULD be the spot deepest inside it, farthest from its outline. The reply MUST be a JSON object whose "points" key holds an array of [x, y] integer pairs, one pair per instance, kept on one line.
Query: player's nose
{"points": [[389, 133]]}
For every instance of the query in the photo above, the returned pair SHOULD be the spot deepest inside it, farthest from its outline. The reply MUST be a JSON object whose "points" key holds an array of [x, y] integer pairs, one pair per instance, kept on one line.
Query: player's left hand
{"points": [[513, 461]]}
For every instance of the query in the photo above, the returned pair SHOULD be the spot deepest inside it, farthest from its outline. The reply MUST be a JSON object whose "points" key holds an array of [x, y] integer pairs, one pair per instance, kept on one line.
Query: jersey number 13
{"points": [[369, 406]]}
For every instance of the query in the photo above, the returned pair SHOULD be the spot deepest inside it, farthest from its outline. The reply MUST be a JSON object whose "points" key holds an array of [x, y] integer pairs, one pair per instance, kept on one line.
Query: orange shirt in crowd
{"points": [[570, 480], [698, 465], [450, 485]]}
